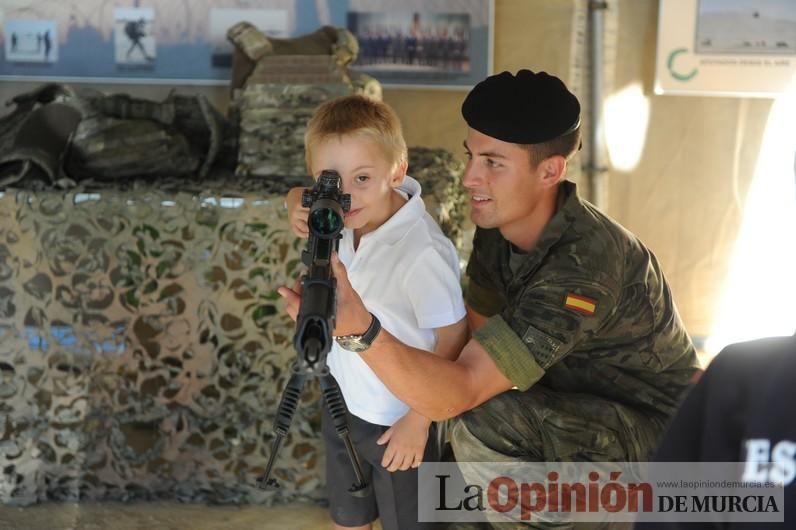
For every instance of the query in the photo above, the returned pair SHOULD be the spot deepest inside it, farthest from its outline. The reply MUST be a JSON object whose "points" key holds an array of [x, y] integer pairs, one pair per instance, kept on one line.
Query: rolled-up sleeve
{"points": [[509, 353]]}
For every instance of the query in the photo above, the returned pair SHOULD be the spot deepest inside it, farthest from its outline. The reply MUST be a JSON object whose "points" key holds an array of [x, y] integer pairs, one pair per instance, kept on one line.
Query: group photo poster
{"points": [[403, 43]]}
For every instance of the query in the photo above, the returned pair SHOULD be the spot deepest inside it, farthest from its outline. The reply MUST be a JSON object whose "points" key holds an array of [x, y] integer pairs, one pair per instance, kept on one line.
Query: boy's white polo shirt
{"points": [[407, 274]]}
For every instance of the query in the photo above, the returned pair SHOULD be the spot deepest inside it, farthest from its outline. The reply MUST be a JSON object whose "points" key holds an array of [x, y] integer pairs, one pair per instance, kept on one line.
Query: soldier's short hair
{"points": [[566, 146], [356, 115]]}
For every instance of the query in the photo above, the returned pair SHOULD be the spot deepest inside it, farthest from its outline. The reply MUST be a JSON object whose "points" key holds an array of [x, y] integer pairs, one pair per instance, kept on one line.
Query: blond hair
{"points": [[358, 115]]}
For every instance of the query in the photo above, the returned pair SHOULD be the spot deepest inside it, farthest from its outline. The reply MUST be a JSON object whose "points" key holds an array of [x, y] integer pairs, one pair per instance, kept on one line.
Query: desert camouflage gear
{"points": [[252, 46], [439, 173], [273, 120], [278, 83]]}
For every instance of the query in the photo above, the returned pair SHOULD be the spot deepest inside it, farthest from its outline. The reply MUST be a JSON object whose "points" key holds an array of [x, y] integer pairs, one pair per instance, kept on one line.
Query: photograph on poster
{"points": [[411, 42], [134, 36], [443, 44], [746, 26], [272, 22], [744, 48], [30, 41]]}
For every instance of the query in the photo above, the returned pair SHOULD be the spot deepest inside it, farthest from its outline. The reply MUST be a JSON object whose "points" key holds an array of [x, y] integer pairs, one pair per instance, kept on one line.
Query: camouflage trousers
{"points": [[542, 425]]}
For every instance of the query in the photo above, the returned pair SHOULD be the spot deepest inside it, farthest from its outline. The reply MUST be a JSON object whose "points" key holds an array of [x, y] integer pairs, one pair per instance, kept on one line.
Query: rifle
{"points": [[315, 323]]}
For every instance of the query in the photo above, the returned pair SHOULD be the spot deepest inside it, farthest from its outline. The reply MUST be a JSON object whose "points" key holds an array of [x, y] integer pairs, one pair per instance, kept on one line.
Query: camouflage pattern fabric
{"points": [[276, 86], [439, 173], [60, 136], [588, 311], [273, 120], [541, 425], [585, 326], [143, 347], [252, 47]]}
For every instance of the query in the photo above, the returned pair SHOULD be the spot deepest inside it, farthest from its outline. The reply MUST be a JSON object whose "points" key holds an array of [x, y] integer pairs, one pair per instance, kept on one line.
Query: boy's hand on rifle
{"points": [[352, 316], [406, 441], [292, 297], [297, 214]]}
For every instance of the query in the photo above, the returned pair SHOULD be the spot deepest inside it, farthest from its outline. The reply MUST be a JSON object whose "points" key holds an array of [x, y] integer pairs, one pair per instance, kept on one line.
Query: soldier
{"points": [[47, 45], [135, 31], [739, 411], [577, 350]]}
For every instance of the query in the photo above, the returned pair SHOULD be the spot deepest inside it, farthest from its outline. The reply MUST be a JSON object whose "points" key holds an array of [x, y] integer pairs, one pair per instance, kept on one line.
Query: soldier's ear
{"points": [[552, 170]]}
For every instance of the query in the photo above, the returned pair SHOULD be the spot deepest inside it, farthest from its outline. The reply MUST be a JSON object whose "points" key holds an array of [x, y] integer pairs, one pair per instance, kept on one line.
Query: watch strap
{"points": [[373, 330]]}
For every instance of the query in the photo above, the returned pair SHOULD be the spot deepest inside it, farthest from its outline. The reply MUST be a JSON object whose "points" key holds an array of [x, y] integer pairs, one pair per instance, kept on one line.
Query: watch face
{"points": [[353, 344]]}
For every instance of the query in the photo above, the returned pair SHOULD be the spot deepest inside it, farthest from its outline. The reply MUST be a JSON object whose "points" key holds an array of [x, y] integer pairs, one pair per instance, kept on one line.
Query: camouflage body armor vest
{"points": [[276, 86]]}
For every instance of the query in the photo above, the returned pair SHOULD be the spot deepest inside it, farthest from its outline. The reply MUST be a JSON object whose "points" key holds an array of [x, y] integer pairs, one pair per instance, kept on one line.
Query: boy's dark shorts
{"points": [[393, 496]]}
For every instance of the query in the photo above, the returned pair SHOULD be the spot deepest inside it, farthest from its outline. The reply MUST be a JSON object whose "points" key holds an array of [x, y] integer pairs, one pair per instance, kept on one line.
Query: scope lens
{"points": [[325, 222]]}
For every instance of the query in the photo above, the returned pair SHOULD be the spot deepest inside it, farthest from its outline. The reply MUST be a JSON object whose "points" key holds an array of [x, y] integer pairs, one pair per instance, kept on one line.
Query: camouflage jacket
{"points": [[587, 311]]}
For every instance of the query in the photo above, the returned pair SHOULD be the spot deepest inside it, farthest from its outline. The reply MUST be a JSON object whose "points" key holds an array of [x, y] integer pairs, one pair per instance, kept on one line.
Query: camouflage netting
{"points": [[439, 173], [143, 348]]}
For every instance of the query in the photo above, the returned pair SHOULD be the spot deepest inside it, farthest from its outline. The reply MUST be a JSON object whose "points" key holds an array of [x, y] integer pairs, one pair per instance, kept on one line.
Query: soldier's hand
{"points": [[292, 297], [297, 214], [352, 316]]}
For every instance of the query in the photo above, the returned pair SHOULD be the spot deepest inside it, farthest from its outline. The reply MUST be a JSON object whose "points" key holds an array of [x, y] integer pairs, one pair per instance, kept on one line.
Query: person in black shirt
{"points": [[741, 410]]}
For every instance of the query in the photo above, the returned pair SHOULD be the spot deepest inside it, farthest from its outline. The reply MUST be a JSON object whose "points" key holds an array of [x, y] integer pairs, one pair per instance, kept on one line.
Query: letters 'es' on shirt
{"points": [[587, 310], [741, 410]]}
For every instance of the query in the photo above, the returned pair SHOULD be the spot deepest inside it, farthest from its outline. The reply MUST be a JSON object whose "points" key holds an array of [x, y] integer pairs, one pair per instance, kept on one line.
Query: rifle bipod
{"points": [[334, 401]]}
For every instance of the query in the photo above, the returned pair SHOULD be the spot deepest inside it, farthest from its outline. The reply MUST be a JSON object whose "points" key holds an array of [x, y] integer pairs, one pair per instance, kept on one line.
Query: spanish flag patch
{"points": [[581, 304]]}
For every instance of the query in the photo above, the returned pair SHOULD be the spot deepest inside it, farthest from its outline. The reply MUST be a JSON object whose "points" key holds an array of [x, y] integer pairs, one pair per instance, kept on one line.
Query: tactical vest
{"points": [[276, 86]]}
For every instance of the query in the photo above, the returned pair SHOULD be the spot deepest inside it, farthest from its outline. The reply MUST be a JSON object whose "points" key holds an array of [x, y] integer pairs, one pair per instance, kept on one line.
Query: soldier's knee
{"points": [[485, 426], [496, 411], [465, 445], [480, 422]]}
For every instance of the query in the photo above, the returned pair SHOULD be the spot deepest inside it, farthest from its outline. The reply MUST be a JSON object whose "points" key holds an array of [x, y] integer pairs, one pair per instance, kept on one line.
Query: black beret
{"points": [[528, 108]]}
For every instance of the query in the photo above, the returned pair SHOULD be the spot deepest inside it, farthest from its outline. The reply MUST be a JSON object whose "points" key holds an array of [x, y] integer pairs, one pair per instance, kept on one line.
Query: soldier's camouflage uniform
{"points": [[585, 327]]}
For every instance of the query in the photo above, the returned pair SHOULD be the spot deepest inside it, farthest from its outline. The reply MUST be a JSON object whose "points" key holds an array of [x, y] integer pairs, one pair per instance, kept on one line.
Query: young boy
{"points": [[407, 273]]}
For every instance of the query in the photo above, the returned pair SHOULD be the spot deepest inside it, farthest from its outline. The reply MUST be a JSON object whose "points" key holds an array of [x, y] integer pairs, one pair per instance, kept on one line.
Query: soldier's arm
{"points": [[433, 386], [436, 387]]}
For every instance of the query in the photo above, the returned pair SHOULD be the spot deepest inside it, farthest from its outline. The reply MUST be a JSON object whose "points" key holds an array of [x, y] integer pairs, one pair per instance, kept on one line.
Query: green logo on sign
{"points": [[670, 64]]}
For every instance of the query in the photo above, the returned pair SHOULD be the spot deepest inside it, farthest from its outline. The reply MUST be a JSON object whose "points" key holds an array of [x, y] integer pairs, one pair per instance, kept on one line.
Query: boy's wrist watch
{"points": [[360, 342]]}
